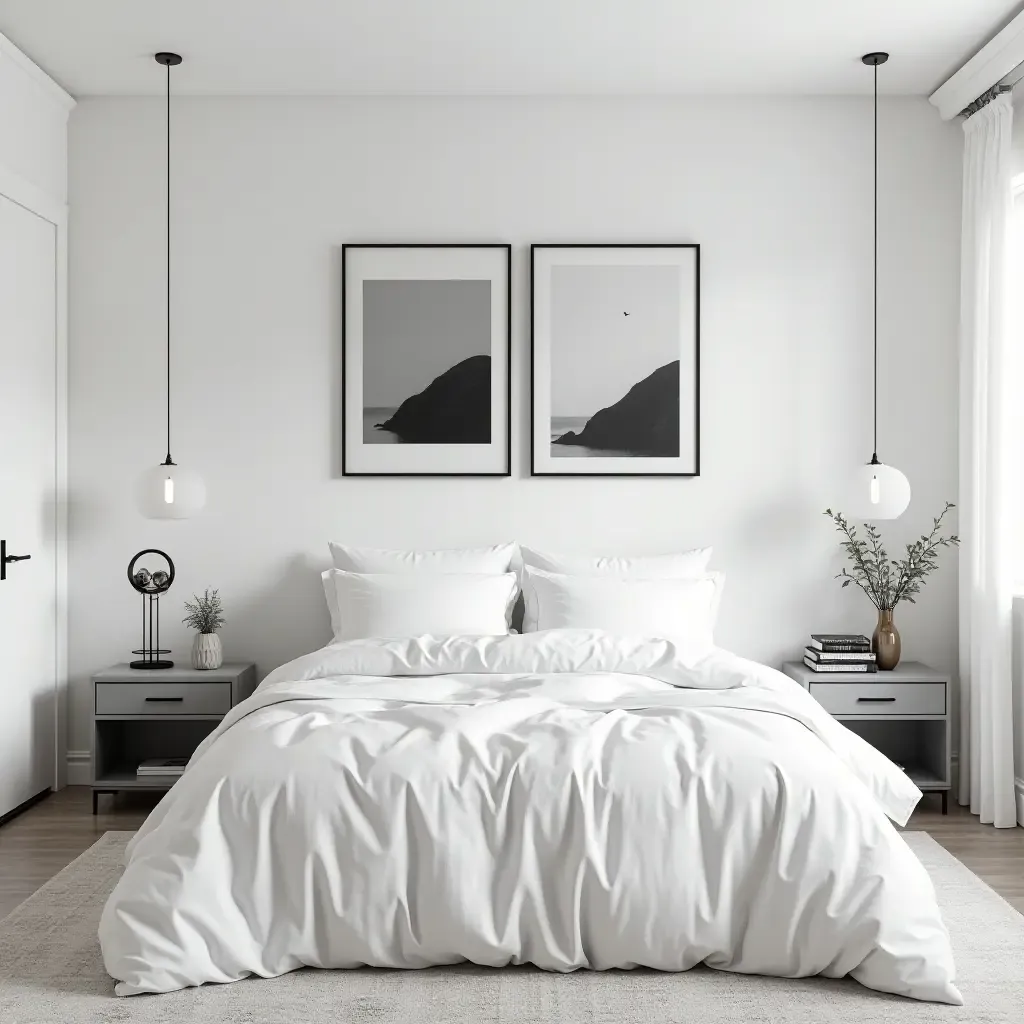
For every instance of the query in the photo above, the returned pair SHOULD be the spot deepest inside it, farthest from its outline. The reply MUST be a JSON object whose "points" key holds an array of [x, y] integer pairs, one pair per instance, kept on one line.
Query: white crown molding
{"points": [[53, 91], [992, 63]]}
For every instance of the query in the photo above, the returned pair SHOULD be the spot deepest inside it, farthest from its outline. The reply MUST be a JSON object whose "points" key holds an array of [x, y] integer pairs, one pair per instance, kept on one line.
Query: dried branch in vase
{"points": [[885, 580], [205, 614]]}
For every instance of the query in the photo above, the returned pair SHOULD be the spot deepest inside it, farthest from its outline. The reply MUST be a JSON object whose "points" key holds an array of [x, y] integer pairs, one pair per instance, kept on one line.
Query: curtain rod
{"points": [[988, 96]]}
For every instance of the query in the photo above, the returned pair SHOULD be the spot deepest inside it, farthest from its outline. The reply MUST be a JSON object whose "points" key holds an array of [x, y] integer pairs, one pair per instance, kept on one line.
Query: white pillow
{"points": [[680, 610], [497, 559], [421, 604], [681, 565]]}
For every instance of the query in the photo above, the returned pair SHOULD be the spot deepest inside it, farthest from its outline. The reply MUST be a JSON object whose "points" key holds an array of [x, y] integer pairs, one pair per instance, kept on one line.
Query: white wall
{"points": [[778, 193]]}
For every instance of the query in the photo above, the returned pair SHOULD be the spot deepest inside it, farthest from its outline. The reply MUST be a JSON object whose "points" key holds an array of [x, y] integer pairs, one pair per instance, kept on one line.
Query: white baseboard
{"points": [[79, 767]]}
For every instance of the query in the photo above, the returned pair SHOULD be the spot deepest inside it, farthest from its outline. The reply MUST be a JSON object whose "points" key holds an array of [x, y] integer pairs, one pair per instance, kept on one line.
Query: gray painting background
{"points": [[415, 330], [597, 354]]}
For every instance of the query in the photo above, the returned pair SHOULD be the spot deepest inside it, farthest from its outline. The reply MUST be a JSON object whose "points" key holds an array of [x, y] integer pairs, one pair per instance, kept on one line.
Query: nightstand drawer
{"points": [[146, 698], [880, 698]]}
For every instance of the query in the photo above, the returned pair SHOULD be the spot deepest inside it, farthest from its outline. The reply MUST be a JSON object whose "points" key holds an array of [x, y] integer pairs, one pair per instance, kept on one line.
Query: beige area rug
{"points": [[50, 970]]}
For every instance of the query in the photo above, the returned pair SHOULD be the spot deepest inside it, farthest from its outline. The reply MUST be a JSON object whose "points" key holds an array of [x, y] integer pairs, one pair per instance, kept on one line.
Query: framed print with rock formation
{"points": [[426, 360], [616, 360]]}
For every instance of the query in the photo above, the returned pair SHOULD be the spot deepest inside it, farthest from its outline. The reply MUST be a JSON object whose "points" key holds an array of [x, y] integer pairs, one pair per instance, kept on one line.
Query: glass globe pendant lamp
{"points": [[168, 491], [878, 491]]}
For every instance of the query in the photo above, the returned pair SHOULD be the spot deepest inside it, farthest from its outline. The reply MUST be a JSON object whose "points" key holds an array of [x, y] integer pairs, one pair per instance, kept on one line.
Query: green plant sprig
{"points": [[885, 580], [205, 614]]}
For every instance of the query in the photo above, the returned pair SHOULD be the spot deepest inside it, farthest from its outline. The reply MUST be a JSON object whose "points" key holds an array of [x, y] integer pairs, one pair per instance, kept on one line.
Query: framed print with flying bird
{"points": [[615, 347]]}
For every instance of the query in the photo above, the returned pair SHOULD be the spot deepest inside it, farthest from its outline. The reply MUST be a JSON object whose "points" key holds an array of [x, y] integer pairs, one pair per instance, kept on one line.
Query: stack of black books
{"points": [[839, 652]]}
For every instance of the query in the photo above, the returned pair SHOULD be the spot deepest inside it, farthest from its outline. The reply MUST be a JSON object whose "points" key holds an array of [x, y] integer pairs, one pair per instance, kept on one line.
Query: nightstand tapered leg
{"points": [[95, 800], [945, 801]]}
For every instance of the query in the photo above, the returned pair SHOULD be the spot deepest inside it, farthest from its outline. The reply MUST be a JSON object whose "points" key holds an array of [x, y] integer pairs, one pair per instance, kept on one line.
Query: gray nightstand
{"points": [[140, 714], [903, 713]]}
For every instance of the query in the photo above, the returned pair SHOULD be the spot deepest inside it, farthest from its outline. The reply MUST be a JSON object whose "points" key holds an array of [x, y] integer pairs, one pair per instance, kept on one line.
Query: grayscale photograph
{"points": [[615, 342], [614, 361], [426, 362], [426, 357]]}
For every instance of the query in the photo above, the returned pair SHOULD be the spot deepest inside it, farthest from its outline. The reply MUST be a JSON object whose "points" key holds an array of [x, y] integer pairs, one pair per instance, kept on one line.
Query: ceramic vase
{"points": [[207, 652], [885, 641]]}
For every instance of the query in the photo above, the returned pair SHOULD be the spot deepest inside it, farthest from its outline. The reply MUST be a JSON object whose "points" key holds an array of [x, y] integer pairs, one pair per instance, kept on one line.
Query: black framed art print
{"points": [[426, 354], [615, 349]]}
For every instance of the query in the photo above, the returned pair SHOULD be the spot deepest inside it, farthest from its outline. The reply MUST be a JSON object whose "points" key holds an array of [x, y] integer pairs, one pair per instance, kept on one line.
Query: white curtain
{"points": [[986, 465]]}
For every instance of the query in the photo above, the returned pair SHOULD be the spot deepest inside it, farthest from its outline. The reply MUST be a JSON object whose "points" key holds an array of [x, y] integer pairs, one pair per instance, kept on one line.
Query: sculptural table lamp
{"points": [[151, 584]]}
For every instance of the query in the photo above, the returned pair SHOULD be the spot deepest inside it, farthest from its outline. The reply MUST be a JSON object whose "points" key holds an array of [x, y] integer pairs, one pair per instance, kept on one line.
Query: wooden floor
{"points": [[37, 844]]}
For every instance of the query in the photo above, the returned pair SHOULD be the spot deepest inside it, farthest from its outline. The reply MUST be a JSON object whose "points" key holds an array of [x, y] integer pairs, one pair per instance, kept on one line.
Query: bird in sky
{"points": [[625, 313]]}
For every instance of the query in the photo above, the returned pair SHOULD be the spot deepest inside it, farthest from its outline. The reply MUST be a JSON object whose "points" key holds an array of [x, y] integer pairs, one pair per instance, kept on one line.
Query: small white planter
{"points": [[207, 652]]}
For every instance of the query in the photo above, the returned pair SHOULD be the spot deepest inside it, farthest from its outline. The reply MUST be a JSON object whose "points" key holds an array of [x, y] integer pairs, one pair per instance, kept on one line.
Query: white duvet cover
{"points": [[566, 798]]}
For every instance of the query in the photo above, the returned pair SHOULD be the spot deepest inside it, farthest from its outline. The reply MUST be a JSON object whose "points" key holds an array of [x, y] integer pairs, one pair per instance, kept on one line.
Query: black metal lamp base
{"points": [[151, 658]]}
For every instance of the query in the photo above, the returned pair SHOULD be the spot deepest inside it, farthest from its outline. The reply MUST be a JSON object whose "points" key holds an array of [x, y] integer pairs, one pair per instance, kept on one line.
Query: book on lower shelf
{"points": [[162, 766]]}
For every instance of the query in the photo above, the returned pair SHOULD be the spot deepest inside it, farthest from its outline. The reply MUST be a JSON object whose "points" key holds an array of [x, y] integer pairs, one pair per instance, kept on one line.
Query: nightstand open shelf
{"points": [[918, 745], [903, 713], [924, 779], [124, 777], [142, 714]]}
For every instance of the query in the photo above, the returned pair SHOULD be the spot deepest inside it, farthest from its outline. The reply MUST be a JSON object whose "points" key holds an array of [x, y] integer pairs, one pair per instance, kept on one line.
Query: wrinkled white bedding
{"points": [[566, 798]]}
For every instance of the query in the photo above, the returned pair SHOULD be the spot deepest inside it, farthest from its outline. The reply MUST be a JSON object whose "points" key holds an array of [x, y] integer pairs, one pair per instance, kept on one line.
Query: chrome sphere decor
{"points": [[151, 583]]}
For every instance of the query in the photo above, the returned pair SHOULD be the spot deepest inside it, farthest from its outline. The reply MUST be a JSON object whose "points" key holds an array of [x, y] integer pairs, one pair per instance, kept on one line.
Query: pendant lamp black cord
{"points": [[875, 449], [169, 462]]}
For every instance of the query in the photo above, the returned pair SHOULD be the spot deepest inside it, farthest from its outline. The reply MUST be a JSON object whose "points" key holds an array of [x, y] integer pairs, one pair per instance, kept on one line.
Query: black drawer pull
{"points": [[164, 700], [875, 700]]}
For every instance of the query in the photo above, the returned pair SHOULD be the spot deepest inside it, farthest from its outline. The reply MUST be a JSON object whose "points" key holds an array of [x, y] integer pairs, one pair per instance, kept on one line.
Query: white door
{"points": [[28, 606]]}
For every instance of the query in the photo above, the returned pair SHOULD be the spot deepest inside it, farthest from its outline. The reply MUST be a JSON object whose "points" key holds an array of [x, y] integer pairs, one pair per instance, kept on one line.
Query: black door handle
{"points": [[5, 558], [875, 700], [164, 700]]}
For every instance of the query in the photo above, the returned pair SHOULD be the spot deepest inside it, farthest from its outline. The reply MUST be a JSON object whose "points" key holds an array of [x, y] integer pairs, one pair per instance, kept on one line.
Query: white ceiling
{"points": [[479, 47]]}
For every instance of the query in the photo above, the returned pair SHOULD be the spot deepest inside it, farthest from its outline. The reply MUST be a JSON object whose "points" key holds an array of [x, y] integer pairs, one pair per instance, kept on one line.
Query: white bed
{"points": [[567, 798]]}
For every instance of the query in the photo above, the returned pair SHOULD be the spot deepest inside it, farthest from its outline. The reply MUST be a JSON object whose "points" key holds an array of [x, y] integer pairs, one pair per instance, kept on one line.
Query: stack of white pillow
{"points": [[472, 591]]}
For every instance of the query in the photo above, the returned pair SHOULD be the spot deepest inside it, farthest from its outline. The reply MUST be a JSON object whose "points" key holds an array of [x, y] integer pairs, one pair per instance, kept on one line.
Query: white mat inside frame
{"points": [[50, 970]]}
